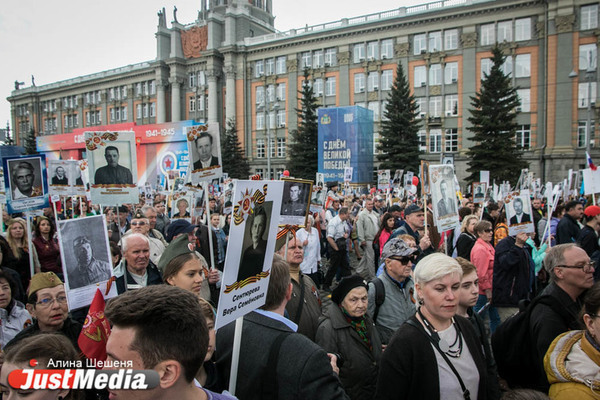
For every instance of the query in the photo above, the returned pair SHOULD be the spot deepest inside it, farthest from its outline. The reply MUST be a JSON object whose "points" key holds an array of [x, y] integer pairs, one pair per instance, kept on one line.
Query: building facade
{"points": [[232, 64]]}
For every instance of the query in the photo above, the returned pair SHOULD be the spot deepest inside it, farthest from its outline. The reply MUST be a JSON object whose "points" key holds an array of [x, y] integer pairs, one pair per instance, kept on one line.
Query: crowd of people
{"points": [[367, 301]]}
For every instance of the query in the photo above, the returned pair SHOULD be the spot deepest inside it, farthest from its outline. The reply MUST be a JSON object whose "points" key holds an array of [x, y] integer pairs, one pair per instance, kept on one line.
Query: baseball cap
{"points": [[413, 208], [591, 211], [396, 247], [178, 227]]}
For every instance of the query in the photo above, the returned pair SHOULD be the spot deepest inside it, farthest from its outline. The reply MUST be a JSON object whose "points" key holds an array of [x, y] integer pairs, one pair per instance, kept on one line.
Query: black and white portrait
{"points": [[113, 165], [255, 242], [518, 212], [479, 192], [295, 201], [85, 256], [25, 178], [443, 196]]}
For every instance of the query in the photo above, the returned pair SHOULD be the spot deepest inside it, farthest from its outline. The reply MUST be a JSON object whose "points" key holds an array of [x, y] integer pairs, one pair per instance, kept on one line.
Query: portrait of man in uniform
{"points": [[87, 270], [113, 173], [204, 152], [253, 257], [295, 203]]}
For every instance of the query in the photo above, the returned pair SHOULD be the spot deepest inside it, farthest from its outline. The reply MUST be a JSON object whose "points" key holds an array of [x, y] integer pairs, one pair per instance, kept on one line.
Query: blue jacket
{"points": [[513, 273]]}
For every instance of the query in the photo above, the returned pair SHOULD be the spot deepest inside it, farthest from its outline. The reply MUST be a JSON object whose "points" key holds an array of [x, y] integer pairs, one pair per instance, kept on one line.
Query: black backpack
{"points": [[512, 345]]}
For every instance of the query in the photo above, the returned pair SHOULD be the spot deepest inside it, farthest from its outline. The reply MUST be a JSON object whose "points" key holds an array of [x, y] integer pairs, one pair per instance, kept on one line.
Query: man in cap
{"points": [[135, 269], [141, 224], [391, 294], [88, 270], [414, 219], [121, 224], [180, 227], [588, 235], [47, 304]]}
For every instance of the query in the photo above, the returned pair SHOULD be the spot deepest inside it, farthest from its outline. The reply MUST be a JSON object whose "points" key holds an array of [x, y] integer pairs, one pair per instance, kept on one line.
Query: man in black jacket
{"points": [[571, 274], [568, 228]]}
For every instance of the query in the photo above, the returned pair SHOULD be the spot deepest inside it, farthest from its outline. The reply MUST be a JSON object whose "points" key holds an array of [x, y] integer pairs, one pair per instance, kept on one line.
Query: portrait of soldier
{"points": [[295, 204], [60, 176], [113, 173], [23, 178], [204, 152], [253, 257], [87, 270]]}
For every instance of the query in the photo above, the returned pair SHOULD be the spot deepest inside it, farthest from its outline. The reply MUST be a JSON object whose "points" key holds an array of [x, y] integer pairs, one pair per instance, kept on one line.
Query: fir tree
{"points": [[30, 143], [8, 141], [399, 142], [303, 157], [494, 126], [233, 159]]}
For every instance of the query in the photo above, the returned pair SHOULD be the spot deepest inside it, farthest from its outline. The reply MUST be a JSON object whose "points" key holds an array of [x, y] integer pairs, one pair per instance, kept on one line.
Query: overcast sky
{"points": [[62, 39]]}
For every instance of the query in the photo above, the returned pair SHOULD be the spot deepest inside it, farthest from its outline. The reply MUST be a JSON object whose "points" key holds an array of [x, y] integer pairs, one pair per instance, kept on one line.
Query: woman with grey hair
{"points": [[309, 237], [435, 354]]}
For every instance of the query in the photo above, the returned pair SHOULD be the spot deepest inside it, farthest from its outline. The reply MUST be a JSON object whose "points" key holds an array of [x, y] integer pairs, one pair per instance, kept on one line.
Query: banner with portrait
{"points": [[443, 196], [204, 149], [65, 178], [479, 192], [295, 202], [25, 183], [181, 204], [113, 162], [86, 259], [518, 213], [317, 198], [252, 237], [383, 179]]}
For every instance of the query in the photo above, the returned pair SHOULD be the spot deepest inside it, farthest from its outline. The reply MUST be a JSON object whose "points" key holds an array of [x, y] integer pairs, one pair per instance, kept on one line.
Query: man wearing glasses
{"points": [[571, 274], [47, 304], [23, 178], [88, 269], [391, 299]]}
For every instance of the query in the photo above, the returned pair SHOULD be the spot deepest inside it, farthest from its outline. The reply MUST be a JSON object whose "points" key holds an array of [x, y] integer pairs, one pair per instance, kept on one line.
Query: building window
{"points": [[281, 147], [152, 109], [420, 76], [422, 134], [387, 79], [435, 41], [373, 81], [260, 94], [271, 94], [374, 106], [451, 140], [505, 31], [487, 34], [260, 148], [306, 60], [259, 68], [152, 84], [191, 79], [587, 57], [281, 118], [435, 106], [581, 133], [451, 73], [259, 172], [387, 49], [583, 95], [486, 67], [318, 87], [330, 57], [451, 39], [523, 136], [523, 66], [318, 59], [272, 147], [522, 29], [373, 51], [589, 17], [269, 66], [359, 83], [280, 65], [272, 116], [507, 67], [421, 103], [451, 109], [524, 98], [359, 52], [201, 78], [420, 43], [200, 103], [330, 86], [260, 121], [435, 74], [435, 141], [192, 104], [281, 92]]}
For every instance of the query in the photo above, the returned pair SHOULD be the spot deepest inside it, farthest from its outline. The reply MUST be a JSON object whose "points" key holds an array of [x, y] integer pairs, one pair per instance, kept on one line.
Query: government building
{"points": [[232, 64]]}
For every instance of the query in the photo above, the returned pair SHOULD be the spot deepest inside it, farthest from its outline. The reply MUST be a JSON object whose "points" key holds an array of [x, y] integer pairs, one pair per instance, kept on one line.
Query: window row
{"points": [[49, 105], [325, 86], [270, 66], [145, 88], [450, 140], [197, 104], [71, 121], [117, 93], [145, 110], [93, 97], [70, 102], [377, 107], [93, 118], [373, 81], [319, 58], [277, 148], [274, 93], [434, 77], [582, 129], [521, 66], [374, 50], [118, 114], [23, 110], [196, 78], [50, 124], [275, 118], [498, 32], [433, 106], [432, 41]]}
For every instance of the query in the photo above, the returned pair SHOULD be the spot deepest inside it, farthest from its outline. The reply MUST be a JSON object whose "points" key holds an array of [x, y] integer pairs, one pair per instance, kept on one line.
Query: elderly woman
{"points": [[572, 362], [435, 354], [349, 332], [182, 206], [309, 237], [13, 315], [467, 238], [482, 256]]}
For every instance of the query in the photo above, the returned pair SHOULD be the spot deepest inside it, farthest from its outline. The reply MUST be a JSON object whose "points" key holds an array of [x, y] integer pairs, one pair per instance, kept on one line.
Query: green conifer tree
{"points": [[30, 143]]}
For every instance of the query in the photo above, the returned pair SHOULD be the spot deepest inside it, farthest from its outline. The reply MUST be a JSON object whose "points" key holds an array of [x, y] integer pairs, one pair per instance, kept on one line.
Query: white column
{"points": [[213, 96], [161, 104], [175, 98], [230, 93]]}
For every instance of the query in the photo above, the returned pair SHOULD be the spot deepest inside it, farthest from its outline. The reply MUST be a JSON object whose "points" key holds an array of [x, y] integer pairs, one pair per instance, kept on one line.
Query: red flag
{"points": [[96, 329]]}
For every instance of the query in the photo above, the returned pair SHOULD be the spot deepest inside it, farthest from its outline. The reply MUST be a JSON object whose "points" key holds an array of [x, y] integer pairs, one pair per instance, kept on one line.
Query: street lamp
{"points": [[589, 75]]}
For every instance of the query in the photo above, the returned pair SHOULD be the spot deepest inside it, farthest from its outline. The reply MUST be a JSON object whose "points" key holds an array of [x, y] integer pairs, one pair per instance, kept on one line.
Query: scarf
{"points": [[359, 325]]}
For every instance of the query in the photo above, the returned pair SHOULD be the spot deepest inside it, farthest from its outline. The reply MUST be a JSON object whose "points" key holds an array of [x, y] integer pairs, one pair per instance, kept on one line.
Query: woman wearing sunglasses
{"points": [[482, 256]]}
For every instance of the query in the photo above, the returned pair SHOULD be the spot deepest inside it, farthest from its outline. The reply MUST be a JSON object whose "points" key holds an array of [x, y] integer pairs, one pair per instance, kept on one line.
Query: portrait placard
{"points": [[383, 179], [518, 213], [348, 171], [479, 191], [181, 206], [64, 178], [397, 181], [295, 202], [25, 183], [113, 161], [204, 149], [317, 198], [252, 238], [86, 259], [443, 196]]}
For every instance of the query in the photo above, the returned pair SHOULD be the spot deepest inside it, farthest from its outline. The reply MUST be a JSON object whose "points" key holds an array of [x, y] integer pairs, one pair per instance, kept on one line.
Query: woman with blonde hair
{"points": [[18, 257], [467, 238]]}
